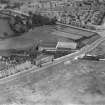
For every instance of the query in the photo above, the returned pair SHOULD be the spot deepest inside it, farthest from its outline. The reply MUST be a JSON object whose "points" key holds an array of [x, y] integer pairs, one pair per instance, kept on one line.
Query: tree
{"points": [[4, 1]]}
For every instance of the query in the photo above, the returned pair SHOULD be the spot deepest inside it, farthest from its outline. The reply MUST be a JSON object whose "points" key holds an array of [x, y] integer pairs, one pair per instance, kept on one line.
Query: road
{"points": [[83, 50]]}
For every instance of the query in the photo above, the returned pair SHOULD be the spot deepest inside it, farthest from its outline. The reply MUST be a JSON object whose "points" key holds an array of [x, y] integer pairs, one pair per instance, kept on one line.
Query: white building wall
{"points": [[71, 45]]}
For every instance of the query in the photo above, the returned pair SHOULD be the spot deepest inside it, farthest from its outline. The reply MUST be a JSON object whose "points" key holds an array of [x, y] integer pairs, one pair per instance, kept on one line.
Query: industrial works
{"points": [[52, 52]]}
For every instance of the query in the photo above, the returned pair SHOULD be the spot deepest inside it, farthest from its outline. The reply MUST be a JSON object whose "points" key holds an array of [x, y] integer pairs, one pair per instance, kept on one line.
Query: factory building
{"points": [[69, 45], [49, 46], [67, 35], [75, 31]]}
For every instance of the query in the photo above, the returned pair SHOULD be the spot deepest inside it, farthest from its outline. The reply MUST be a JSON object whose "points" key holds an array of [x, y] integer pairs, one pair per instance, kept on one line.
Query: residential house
{"points": [[29, 7]]}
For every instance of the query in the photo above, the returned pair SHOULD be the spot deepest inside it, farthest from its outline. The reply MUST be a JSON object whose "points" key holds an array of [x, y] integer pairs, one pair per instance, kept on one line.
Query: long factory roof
{"points": [[67, 35], [76, 31]]}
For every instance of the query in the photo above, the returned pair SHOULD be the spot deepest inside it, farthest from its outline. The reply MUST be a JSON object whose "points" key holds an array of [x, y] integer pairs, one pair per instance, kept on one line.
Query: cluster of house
{"points": [[74, 12], [45, 7]]}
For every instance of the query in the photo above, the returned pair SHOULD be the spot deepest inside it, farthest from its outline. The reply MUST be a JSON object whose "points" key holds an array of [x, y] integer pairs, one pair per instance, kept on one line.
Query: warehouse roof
{"points": [[67, 35], [76, 31], [48, 44]]}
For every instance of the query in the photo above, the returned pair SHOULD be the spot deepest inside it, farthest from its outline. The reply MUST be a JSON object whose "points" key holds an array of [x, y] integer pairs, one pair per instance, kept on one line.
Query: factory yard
{"points": [[77, 82]]}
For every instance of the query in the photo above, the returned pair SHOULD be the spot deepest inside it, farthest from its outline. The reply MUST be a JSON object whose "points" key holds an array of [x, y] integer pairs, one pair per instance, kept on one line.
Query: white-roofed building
{"points": [[62, 44]]}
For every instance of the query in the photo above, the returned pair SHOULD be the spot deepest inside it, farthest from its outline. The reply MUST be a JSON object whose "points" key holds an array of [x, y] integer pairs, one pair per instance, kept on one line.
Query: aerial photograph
{"points": [[52, 52]]}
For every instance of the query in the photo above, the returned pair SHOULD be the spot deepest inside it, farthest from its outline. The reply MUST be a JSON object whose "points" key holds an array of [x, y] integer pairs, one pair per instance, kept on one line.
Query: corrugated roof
{"points": [[48, 44], [68, 35], [76, 31]]}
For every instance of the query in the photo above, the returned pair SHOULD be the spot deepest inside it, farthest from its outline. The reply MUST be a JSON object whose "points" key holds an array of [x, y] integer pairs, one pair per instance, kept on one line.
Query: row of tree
{"points": [[38, 20]]}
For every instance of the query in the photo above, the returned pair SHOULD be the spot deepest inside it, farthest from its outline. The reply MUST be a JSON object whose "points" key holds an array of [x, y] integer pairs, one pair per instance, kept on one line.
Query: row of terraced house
{"points": [[74, 12]]}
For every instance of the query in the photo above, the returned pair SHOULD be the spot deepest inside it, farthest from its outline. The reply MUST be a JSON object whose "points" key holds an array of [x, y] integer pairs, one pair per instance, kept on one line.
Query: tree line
{"points": [[21, 25]]}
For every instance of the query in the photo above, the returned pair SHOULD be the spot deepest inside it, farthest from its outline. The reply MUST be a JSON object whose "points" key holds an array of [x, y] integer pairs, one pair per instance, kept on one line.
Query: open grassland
{"points": [[80, 82], [27, 39]]}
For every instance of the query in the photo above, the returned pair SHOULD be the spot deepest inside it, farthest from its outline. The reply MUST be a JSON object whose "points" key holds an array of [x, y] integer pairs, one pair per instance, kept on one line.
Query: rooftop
{"points": [[48, 44], [76, 31], [68, 35]]}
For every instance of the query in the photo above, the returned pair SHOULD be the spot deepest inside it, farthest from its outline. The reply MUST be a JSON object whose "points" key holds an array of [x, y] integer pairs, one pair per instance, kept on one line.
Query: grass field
{"points": [[80, 82], [26, 40]]}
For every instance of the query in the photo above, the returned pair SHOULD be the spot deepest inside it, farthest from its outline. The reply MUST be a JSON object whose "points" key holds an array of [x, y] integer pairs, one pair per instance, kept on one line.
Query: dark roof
{"points": [[76, 31], [67, 35], [91, 39], [48, 44]]}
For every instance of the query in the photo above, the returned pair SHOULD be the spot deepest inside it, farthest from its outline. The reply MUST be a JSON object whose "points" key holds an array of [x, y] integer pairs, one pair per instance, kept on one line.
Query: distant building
{"points": [[44, 4], [2, 6], [29, 7]]}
